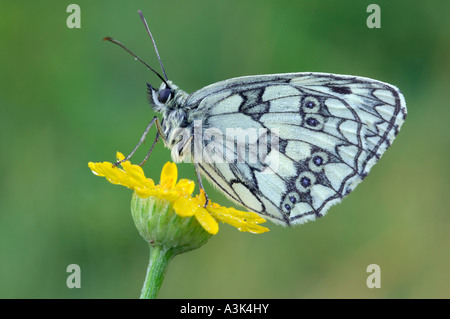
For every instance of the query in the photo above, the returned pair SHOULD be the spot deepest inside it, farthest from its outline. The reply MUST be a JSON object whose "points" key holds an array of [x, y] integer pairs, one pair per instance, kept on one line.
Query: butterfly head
{"points": [[167, 97]]}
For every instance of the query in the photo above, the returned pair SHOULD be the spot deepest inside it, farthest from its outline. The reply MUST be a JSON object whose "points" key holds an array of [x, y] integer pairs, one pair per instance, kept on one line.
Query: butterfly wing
{"points": [[329, 130]]}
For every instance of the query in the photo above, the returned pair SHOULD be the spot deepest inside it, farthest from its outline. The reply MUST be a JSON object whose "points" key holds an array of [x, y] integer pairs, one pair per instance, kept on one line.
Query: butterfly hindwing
{"points": [[324, 133]]}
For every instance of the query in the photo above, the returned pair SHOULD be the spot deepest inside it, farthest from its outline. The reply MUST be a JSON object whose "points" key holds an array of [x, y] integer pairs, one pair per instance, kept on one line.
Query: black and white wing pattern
{"points": [[324, 133]]}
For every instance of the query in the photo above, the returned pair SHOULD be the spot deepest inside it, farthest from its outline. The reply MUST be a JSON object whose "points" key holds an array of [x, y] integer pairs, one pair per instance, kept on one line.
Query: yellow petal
{"points": [[136, 176], [120, 156], [108, 170], [115, 175], [255, 229], [184, 206], [95, 169], [244, 221], [187, 206], [169, 195], [100, 169], [132, 177], [144, 192], [169, 175], [206, 220], [202, 198], [185, 187]]}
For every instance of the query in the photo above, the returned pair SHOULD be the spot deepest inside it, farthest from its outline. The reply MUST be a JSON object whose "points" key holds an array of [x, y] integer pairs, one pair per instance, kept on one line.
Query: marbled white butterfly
{"points": [[286, 146]]}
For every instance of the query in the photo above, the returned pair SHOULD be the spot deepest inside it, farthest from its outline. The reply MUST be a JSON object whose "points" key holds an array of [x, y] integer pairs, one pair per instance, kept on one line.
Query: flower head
{"points": [[179, 195]]}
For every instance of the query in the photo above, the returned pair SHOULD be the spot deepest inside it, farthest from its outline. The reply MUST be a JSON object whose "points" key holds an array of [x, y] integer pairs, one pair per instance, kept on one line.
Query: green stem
{"points": [[157, 266]]}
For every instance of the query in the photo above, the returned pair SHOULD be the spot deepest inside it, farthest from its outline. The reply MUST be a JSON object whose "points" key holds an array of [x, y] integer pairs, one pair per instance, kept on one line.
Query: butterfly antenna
{"points": [[135, 57], [154, 43]]}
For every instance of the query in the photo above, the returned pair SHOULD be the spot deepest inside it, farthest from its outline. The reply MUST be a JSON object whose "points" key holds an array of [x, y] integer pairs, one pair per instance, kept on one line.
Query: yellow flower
{"points": [[179, 193]]}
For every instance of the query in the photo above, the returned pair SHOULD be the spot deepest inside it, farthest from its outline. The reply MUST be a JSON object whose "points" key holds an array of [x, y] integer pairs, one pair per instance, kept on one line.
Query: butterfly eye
{"points": [[164, 95]]}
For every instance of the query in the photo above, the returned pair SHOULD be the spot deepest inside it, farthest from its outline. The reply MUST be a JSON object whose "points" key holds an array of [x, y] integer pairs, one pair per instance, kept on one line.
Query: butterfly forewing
{"points": [[317, 136]]}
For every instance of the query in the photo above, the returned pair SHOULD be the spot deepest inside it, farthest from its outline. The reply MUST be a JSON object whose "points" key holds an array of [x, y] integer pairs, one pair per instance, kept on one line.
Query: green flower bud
{"points": [[159, 225]]}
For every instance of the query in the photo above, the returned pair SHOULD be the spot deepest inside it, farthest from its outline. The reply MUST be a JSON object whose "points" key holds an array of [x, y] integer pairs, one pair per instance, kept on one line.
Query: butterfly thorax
{"points": [[177, 133]]}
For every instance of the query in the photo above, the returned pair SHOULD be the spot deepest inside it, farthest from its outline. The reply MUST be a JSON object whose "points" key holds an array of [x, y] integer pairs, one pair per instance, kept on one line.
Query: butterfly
{"points": [[285, 146]]}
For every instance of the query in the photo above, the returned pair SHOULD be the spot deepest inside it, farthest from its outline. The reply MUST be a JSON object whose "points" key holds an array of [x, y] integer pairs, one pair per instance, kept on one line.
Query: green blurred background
{"points": [[67, 98]]}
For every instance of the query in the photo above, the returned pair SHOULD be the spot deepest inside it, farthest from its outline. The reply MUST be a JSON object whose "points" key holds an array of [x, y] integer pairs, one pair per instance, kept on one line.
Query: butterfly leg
{"points": [[151, 149], [142, 140], [200, 184]]}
